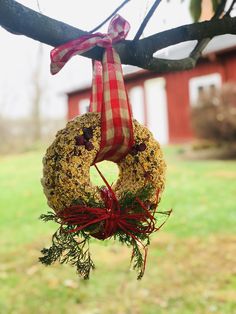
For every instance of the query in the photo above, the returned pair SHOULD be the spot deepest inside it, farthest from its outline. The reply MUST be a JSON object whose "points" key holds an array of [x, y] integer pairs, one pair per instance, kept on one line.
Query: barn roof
{"points": [[219, 44]]}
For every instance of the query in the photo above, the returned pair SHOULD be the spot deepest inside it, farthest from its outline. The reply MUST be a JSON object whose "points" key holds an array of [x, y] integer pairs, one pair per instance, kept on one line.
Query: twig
{"points": [[110, 16], [230, 8], [220, 9], [146, 19], [201, 45], [38, 5]]}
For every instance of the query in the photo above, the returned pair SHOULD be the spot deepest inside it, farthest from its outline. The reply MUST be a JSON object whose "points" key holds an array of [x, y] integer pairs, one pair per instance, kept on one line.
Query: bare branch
{"points": [[147, 18], [165, 66], [201, 45], [220, 9], [230, 8], [30, 23], [191, 61], [25, 21], [110, 16], [198, 49], [196, 31], [38, 5]]}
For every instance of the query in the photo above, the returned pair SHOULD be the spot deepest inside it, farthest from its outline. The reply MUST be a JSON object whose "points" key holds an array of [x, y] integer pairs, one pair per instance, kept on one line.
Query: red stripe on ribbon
{"points": [[109, 94]]}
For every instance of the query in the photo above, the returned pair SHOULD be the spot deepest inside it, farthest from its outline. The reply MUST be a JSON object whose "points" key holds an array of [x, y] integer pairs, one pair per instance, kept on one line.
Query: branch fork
{"points": [[19, 19]]}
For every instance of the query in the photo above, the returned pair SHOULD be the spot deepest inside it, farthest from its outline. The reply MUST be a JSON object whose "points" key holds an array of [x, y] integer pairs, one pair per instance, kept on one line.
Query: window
{"points": [[83, 105], [137, 103], [202, 87]]}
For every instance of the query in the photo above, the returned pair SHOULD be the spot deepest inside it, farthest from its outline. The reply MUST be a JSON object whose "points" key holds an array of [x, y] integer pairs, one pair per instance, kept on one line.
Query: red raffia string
{"points": [[112, 218]]}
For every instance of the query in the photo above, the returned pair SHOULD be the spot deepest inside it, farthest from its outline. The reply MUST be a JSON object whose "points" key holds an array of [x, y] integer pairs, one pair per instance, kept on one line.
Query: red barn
{"points": [[163, 102]]}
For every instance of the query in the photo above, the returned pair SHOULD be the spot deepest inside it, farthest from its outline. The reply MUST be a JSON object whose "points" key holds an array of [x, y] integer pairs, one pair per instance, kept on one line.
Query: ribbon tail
{"points": [[97, 88], [116, 119], [107, 184]]}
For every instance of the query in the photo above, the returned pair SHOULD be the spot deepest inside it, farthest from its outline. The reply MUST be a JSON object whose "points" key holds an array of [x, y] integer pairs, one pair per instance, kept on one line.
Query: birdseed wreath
{"points": [[79, 205], [125, 210]]}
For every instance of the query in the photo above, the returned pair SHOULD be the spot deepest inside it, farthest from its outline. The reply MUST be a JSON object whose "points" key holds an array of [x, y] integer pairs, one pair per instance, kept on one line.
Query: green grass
{"points": [[191, 263]]}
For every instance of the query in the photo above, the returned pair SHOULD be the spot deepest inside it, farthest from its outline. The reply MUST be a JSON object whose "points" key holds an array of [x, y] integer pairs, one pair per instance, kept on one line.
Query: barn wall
{"points": [[73, 106], [178, 106], [230, 67], [73, 103], [177, 89]]}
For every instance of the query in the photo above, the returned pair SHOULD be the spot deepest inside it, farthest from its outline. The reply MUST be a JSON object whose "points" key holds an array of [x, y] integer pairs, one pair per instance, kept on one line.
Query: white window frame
{"points": [[83, 105], [136, 97], [204, 81]]}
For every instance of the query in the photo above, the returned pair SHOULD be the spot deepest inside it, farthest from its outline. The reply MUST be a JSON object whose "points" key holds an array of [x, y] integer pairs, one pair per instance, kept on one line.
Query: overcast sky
{"points": [[18, 54]]}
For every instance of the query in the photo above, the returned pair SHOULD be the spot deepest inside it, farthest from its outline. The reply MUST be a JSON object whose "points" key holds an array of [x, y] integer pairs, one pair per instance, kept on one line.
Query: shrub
{"points": [[214, 116]]}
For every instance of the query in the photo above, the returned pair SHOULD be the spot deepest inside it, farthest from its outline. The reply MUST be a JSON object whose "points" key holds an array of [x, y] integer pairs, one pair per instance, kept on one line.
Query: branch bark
{"points": [[22, 20], [196, 31]]}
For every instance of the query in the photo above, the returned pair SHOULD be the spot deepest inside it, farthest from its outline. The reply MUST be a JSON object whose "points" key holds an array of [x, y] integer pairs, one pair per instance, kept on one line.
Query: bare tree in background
{"points": [[37, 95]]}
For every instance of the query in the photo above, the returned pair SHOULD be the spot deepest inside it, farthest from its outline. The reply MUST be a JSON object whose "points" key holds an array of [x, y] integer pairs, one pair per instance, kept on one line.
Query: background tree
{"points": [[37, 95], [19, 19]]}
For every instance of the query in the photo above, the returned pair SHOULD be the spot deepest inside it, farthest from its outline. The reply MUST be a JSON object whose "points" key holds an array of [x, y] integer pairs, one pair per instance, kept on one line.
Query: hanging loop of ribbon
{"points": [[109, 95]]}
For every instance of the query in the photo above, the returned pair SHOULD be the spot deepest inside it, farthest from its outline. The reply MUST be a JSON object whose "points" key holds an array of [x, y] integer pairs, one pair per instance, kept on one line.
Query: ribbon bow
{"points": [[117, 31], [113, 219], [109, 94]]}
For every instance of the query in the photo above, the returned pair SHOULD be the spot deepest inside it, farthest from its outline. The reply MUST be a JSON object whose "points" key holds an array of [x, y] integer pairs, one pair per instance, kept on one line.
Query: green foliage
{"points": [[195, 8], [68, 248], [214, 116], [215, 4], [73, 247], [129, 199]]}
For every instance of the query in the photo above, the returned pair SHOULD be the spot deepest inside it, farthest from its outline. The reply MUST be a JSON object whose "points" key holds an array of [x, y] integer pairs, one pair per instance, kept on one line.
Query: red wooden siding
{"points": [[73, 103], [177, 91], [230, 67], [177, 88]]}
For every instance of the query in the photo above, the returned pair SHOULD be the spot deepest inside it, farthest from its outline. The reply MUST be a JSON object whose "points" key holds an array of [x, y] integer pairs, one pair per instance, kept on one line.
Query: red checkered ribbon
{"points": [[109, 94]]}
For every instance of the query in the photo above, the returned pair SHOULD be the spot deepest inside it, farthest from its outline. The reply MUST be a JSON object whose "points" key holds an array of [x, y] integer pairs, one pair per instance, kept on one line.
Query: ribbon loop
{"points": [[117, 31], [105, 41], [109, 94]]}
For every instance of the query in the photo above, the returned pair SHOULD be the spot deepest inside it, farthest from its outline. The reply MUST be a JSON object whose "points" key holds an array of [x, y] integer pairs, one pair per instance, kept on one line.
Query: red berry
{"points": [[142, 147], [89, 145], [88, 133], [79, 140], [133, 151]]}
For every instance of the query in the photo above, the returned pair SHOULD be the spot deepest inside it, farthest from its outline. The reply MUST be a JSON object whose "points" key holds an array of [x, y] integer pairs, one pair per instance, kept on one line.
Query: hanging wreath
{"points": [[124, 210]]}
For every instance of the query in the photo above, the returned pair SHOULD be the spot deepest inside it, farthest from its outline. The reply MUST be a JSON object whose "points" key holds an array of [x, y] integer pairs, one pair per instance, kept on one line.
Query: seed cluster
{"points": [[84, 138], [67, 162]]}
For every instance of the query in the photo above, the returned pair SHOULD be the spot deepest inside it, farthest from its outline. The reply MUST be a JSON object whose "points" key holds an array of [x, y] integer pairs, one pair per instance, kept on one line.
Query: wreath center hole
{"points": [[109, 170]]}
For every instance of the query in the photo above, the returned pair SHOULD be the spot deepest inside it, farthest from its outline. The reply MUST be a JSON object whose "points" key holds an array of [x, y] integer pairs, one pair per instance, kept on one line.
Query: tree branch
{"points": [[20, 20], [196, 31], [165, 65], [30, 23], [230, 8], [201, 45], [25, 21]]}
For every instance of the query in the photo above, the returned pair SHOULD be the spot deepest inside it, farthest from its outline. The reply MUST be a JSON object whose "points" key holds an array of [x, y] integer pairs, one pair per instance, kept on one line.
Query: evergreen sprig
{"points": [[73, 247], [68, 248]]}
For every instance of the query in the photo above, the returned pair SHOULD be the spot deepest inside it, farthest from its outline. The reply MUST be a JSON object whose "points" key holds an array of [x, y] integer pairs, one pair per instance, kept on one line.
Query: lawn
{"points": [[191, 265]]}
